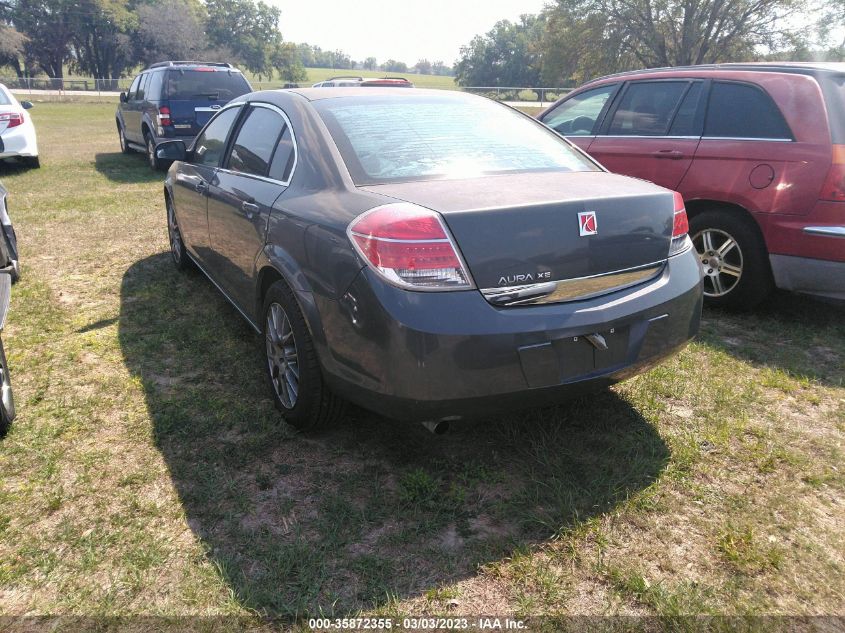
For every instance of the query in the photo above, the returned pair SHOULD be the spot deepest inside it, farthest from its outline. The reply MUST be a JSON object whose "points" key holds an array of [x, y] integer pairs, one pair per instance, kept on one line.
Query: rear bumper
{"points": [[18, 141], [425, 356], [811, 276]]}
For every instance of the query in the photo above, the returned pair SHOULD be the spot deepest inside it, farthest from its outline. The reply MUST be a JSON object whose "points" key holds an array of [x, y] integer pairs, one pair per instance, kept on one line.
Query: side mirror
{"points": [[171, 150], [123, 97], [26, 105]]}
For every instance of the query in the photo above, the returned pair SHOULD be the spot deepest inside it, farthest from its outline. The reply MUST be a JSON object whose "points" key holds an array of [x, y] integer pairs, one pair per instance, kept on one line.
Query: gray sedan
{"points": [[428, 255]]}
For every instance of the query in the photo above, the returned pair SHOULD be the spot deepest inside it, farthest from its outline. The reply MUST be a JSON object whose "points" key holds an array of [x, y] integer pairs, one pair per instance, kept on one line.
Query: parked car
{"points": [[17, 132], [174, 99], [10, 262], [8, 271], [427, 254], [758, 152], [369, 82]]}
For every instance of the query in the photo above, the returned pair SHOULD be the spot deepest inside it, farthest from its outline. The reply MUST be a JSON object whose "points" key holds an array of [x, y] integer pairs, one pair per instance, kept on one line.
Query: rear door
{"points": [[653, 131], [579, 117], [195, 94], [256, 171], [132, 113], [193, 180]]}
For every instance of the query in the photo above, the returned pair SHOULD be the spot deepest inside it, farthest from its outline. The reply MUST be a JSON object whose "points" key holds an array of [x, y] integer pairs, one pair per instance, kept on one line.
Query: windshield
{"points": [[209, 84], [384, 139]]}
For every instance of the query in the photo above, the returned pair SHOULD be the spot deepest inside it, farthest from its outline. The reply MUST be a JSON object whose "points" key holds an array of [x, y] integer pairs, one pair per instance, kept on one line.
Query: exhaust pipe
{"points": [[438, 427]]}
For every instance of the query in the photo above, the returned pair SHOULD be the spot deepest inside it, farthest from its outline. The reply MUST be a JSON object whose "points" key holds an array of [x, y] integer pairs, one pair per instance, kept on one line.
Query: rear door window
{"points": [[133, 89], [687, 121], [211, 143], [737, 110], [283, 158], [578, 116], [256, 141], [142, 87], [646, 108]]}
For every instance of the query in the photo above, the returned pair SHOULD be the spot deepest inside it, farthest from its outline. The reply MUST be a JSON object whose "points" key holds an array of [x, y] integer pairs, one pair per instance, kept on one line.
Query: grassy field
{"points": [[148, 472]]}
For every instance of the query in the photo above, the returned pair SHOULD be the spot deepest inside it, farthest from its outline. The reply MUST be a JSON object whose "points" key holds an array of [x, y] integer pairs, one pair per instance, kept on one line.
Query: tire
{"points": [[121, 137], [177, 244], [293, 370], [7, 402], [733, 257], [152, 159]]}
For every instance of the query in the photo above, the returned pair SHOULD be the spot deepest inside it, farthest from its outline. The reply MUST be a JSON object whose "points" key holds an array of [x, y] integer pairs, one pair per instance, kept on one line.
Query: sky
{"points": [[402, 30]]}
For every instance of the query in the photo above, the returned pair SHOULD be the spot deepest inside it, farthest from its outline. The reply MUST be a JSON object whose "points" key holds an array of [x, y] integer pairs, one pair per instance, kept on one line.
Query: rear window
{"points": [[833, 87], [383, 139], [199, 84]]}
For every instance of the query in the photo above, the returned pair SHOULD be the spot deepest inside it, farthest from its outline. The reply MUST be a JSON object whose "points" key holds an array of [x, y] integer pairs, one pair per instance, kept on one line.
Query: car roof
{"points": [[318, 94], [809, 68]]}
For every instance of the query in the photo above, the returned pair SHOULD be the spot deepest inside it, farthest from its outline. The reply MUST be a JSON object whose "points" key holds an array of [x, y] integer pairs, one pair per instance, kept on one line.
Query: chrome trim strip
{"points": [[575, 289], [743, 138], [825, 231], [224, 293], [660, 136]]}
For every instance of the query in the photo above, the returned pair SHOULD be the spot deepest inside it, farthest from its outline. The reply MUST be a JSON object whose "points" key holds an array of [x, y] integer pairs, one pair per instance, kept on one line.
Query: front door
{"points": [[195, 178], [579, 117], [254, 174], [653, 132]]}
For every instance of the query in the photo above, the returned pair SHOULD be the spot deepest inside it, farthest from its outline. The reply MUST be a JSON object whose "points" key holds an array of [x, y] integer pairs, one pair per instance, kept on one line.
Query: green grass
{"points": [[148, 472]]}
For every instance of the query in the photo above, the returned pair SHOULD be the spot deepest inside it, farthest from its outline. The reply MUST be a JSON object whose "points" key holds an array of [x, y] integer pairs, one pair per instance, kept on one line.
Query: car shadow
{"points": [[126, 168], [371, 509], [810, 336]]}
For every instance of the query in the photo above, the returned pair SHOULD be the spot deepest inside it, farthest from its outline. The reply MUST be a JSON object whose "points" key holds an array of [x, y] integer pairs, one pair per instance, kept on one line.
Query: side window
{"points": [[283, 158], [256, 140], [153, 91], [133, 89], [139, 96], [646, 108], [742, 111], [209, 146], [577, 116], [685, 120]]}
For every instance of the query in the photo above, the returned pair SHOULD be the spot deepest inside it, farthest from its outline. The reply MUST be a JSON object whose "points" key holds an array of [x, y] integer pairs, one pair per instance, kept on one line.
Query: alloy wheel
{"points": [[151, 152], [282, 356], [721, 260], [122, 137]]}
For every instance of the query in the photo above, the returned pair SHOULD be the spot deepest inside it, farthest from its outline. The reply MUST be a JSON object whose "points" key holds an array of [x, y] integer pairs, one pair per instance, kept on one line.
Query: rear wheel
{"points": [[7, 402], [299, 391], [733, 259], [155, 163]]}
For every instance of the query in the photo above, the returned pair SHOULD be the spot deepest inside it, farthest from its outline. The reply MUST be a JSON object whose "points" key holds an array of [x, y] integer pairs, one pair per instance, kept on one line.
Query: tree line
{"points": [[572, 41], [109, 39]]}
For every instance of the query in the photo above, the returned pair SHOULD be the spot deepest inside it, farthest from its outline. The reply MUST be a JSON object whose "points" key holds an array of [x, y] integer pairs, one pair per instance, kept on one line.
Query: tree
{"points": [[586, 37], [11, 48], [173, 29], [249, 29], [49, 28], [393, 66], [439, 68], [423, 67], [101, 37], [507, 55], [285, 59]]}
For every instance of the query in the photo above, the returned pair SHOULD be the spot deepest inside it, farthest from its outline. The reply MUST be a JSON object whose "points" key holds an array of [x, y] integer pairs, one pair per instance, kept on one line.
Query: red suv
{"points": [[758, 152]]}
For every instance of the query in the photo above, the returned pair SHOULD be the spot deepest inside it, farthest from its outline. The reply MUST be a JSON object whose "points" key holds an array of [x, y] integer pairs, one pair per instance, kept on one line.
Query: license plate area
{"points": [[577, 355]]}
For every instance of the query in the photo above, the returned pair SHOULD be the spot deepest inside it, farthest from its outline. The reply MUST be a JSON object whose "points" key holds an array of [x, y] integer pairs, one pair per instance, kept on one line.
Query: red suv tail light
{"points": [[834, 184], [410, 247], [164, 115], [680, 227], [12, 119]]}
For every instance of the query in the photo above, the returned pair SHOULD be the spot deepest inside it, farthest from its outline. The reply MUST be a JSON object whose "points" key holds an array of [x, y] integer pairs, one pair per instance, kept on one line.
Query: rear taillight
{"points": [[680, 227], [164, 115], [12, 119], [410, 247], [834, 184]]}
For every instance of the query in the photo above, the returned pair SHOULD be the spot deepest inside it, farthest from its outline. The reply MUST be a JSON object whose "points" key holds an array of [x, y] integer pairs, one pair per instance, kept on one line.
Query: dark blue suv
{"points": [[173, 100]]}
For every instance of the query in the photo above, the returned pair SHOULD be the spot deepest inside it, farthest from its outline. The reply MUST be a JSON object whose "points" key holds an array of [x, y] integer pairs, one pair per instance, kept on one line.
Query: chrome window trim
{"points": [[826, 231], [565, 290], [746, 138], [660, 136], [279, 111]]}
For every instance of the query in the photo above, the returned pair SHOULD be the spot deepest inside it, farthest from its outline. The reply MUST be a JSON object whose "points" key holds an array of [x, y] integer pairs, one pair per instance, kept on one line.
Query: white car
{"points": [[17, 133]]}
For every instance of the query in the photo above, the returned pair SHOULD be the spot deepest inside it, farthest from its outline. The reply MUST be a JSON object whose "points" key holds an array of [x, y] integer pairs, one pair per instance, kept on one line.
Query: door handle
{"points": [[250, 209], [201, 186], [671, 154]]}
